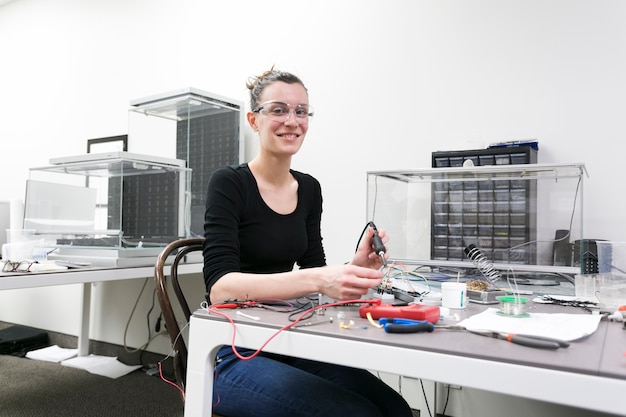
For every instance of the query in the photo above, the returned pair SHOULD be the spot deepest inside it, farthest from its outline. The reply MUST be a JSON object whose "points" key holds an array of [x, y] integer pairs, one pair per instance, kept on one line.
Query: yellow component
{"points": [[372, 321], [346, 326]]}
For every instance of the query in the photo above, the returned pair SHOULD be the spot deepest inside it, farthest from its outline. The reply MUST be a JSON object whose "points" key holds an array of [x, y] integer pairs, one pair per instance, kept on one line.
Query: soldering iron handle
{"points": [[379, 246]]}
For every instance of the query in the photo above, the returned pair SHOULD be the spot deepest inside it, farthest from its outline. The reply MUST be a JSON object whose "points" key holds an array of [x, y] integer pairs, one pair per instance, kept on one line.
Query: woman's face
{"points": [[276, 136]]}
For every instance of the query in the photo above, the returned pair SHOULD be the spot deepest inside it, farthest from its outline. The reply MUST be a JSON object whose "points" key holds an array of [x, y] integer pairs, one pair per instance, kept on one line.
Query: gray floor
{"points": [[37, 388], [30, 388]]}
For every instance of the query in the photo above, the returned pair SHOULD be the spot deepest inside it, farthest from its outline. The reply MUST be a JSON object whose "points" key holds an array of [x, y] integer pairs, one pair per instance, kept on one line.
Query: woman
{"points": [[262, 218]]}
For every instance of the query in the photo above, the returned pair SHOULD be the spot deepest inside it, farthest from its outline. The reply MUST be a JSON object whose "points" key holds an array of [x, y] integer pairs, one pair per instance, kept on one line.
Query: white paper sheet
{"points": [[52, 353], [101, 365], [567, 327]]}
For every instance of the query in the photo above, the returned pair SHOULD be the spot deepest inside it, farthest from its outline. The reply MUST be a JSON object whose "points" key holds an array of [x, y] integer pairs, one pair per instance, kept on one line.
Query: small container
{"points": [[513, 306]]}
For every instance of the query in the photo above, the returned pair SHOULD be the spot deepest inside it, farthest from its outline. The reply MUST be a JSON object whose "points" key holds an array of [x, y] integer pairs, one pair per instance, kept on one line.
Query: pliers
{"points": [[398, 325], [525, 340], [519, 339]]}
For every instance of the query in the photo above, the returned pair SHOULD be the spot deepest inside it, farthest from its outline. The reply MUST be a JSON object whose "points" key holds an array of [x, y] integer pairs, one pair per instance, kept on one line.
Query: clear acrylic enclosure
{"points": [[116, 199], [518, 217]]}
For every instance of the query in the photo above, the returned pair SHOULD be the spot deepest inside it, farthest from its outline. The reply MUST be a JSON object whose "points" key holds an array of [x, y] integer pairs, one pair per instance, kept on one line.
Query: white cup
{"points": [[453, 294]]}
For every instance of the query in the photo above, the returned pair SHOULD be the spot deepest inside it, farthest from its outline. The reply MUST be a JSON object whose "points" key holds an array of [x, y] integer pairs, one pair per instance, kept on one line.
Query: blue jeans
{"points": [[275, 385]]}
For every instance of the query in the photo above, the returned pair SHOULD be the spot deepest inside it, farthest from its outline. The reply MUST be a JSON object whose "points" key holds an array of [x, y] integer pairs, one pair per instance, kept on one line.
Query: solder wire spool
{"points": [[512, 306], [482, 263]]}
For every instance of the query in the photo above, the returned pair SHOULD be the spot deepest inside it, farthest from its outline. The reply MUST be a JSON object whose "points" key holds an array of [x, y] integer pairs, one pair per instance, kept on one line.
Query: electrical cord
{"points": [[214, 309]]}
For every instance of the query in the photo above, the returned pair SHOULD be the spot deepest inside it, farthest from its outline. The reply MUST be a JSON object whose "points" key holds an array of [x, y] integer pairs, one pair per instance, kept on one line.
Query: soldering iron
{"points": [[379, 246]]}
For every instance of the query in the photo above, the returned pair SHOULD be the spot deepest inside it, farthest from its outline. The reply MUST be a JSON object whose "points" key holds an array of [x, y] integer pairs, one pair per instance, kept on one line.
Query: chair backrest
{"points": [[179, 249]]}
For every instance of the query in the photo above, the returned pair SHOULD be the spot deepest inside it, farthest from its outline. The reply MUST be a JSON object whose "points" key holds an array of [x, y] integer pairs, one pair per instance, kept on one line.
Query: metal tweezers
{"points": [[538, 342]]}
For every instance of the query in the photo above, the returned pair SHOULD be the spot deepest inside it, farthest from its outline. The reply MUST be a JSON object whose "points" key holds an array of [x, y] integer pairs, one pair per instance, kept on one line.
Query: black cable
{"points": [[425, 399], [446, 403]]}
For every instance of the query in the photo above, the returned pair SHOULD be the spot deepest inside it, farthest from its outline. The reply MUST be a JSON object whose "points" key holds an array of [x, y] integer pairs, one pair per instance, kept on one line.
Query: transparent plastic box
{"points": [[116, 199], [522, 217]]}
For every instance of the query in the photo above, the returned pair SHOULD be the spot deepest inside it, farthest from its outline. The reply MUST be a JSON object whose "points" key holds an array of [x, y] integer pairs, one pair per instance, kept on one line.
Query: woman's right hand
{"points": [[347, 282]]}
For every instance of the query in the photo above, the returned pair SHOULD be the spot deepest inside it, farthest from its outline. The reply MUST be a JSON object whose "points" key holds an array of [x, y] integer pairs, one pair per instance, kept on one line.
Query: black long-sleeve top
{"points": [[244, 235]]}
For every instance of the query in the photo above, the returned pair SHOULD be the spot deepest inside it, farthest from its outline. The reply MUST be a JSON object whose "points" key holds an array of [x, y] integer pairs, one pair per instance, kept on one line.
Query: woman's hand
{"points": [[347, 282], [365, 255]]}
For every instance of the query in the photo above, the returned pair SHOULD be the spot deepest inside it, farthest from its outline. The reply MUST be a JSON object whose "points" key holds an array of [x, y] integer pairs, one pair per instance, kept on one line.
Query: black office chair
{"points": [[179, 249]]}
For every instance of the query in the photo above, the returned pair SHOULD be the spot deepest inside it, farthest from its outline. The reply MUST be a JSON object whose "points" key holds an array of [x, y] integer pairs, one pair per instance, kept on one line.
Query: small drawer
{"points": [[440, 252], [485, 185], [503, 159], [516, 184], [442, 162], [501, 231], [440, 240], [518, 219], [485, 206], [470, 185], [485, 230], [455, 196], [440, 196], [485, 195], [518, 158], [440, 186], [500, 242], [455, 241], [455, 207], [441, 207], [501, 219], [501, 207], [470, 218], [485, 218], [441, 218], [518, 206], [501, 184], [455, 253], [456, 161], [486, 160], [518, 231], [470, 207], [455, 229], [456, 218], [455, 185], [501, 195], [485, 243], [470, 195], [518, 194], [440, 229], [470, 231]]}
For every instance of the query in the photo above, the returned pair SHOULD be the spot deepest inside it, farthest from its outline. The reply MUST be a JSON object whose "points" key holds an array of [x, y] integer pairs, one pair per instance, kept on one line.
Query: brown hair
{"points": [[257, 84]]}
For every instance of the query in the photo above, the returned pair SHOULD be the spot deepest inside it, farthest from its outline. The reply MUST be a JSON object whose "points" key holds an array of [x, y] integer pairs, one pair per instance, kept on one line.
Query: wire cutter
{"points": [[519, 339], [399, 325]]}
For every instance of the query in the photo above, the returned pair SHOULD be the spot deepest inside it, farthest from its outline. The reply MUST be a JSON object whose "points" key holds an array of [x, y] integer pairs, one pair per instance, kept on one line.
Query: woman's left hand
{"points": [[365, 255]]}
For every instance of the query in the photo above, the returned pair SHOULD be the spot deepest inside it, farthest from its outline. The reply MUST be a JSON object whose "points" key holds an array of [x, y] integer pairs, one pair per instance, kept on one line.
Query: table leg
{"points": [[83, 331]]}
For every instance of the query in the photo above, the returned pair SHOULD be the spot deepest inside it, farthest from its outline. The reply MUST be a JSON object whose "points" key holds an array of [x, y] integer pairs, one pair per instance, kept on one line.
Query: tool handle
{"points": [[532, 342], [379, 246], [408, 328], [562, 343]]}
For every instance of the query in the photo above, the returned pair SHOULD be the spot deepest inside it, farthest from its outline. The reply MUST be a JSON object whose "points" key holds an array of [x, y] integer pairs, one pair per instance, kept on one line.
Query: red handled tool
{"points": [[420, 312]]}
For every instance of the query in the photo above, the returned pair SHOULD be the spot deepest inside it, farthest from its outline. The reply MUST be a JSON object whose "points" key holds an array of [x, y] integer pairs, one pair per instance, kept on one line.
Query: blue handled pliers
{"points": [[398, 325]]}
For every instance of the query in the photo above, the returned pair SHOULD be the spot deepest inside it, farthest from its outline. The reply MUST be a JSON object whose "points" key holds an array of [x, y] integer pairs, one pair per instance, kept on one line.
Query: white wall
{"points": [[391, 82]]}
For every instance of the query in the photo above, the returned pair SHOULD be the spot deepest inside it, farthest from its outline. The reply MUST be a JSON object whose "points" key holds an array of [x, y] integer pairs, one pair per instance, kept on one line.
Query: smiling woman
{"points": [[262, 219]]}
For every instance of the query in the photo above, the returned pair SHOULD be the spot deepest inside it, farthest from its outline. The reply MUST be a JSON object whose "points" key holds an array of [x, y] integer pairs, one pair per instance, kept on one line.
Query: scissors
{"points": [[399, 325], [538, 342]]}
